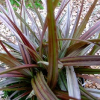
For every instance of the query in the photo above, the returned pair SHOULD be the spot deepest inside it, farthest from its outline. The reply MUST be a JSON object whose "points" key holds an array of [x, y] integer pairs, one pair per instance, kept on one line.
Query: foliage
{"points": [[37, 3], [48, 60], [13, 2]]}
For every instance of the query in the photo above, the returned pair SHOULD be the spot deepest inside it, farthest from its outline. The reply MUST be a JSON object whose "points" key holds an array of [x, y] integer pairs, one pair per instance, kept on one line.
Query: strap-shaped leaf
{"points": [[63, 95], [36, 90], [21, 95], [72, 83], [18, 68], [38, 14], [8, 60], [9, 81], [81, 61], [53, 46], [11, 75], [49, 91], [84, 22], [87, 71], [25, 54], [13, 89], [28, 27], [80, 58], [11, 12], [89, 96], [41, 88], [24, 39], [90, 78], [94, 29]]}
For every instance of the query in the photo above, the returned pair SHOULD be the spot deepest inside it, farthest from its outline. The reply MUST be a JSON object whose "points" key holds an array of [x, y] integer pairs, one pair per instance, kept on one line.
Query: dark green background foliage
{"points": [[13, 2], [38, 4]]}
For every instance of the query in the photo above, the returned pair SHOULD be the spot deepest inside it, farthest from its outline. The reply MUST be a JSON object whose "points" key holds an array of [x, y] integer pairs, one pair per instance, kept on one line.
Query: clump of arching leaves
{"points": [[48, 61]]}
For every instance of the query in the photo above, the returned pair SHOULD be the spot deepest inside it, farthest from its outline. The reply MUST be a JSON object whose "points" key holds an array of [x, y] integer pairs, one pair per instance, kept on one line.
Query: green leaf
{"points": [[87, 71], [13, 89], [90, 96], [62, 81]]}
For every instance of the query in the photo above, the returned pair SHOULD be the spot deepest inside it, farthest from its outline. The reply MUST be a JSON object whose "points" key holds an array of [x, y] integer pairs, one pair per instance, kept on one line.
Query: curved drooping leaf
{"points": [[9, 81], [19, 68], [9, 60]]}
